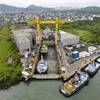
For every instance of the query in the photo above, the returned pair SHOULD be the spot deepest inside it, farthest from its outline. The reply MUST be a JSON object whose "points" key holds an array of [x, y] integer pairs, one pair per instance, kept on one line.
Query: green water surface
{"points": [[49, 90]]}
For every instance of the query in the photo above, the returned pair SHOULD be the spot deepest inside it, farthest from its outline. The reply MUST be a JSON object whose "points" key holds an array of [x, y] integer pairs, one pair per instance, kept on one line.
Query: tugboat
{"points": [[98, 60], [42, 66], [26, 75], [70, 87], [92, 68]]}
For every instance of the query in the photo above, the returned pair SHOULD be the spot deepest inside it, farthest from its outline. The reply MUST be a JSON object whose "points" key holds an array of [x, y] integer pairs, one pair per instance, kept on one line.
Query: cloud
{"points": [[50, 3]]}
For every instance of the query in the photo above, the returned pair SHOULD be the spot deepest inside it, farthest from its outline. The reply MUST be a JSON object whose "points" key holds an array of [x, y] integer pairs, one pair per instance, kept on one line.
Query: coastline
{"points": [[4, 87]]}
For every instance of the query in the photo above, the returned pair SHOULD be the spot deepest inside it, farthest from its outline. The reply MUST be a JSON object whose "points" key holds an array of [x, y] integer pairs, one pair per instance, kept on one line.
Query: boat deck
{"points": [[69, 88]]}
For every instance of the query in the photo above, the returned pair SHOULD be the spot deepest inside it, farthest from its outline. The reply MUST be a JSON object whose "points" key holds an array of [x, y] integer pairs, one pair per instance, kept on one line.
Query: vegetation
{"points": [[89, 31], [9, 73]]}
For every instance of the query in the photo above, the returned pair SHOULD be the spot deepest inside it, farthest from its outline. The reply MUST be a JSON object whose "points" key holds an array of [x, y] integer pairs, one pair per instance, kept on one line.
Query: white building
{"points": [[24, 39], [68, 38]]}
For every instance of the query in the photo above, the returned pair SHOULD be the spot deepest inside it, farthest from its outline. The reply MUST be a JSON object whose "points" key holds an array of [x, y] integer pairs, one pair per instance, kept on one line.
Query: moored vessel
{"points": [[74, 84], [42, 66], [92, 68]]}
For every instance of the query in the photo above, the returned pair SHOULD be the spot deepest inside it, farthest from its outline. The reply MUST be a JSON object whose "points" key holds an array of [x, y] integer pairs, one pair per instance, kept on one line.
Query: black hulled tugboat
{"points": [[74, 84]]}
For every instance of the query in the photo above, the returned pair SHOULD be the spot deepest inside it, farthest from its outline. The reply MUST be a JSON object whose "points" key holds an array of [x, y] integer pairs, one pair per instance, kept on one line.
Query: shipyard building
{"points": [[68, 38], [24, 39]]}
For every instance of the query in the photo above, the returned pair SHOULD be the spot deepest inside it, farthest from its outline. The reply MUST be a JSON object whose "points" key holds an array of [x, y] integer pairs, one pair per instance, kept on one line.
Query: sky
{"points": [[52, 3]]}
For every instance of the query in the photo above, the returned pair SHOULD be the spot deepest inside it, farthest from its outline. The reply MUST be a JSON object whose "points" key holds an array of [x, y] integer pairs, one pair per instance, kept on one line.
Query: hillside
{"points": [[10, 9], [32, 8], [92, 9]]}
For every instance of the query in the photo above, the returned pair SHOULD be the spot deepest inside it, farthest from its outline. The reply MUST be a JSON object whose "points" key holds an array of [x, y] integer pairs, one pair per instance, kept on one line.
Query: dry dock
{"points": [[52, 72]]}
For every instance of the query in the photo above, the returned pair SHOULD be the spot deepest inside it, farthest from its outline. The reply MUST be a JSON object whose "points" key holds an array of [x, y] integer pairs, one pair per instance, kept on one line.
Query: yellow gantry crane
{"points": [[39, 22]]}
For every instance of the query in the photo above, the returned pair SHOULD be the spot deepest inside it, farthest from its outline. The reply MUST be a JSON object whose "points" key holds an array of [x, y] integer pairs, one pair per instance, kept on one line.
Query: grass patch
{"points": [[9, 74]]}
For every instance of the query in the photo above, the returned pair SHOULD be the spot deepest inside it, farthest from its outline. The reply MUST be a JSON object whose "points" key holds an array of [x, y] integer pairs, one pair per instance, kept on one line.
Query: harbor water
{"points": [[49, 90]]}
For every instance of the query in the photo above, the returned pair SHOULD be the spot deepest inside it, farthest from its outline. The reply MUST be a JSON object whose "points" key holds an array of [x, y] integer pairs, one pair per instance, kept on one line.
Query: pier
{"points": [[78, 65]]}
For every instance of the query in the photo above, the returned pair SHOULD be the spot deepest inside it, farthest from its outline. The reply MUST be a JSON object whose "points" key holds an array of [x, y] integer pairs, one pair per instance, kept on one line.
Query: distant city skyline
{"points": [[52, 3]]}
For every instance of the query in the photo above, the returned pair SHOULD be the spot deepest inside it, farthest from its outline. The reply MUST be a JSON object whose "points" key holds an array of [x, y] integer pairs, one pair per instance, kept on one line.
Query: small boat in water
{"points": [[92, 68], [26, 75], [42, 66], [70, 87]]}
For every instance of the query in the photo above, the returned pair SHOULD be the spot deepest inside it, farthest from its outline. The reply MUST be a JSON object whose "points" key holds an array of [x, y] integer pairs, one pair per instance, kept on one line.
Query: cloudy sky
{"points": [[52, 3]]}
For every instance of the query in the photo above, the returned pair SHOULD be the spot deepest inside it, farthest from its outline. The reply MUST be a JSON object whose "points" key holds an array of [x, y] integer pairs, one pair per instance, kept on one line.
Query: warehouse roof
{"points": [[23, 32], [23, 40], [67, 35]]}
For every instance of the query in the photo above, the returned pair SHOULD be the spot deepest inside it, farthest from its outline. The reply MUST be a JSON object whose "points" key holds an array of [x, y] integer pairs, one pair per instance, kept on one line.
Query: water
{"points": [[49, 90]]}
